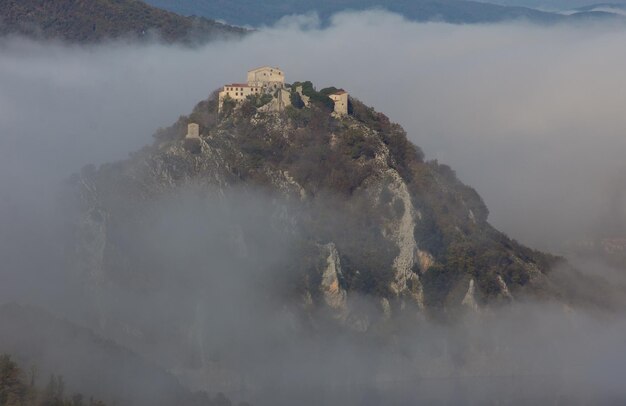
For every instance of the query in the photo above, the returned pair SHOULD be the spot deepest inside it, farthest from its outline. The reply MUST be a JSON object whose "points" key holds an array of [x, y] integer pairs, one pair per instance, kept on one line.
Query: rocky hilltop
{"points": [[366, 213], [252, 235]]}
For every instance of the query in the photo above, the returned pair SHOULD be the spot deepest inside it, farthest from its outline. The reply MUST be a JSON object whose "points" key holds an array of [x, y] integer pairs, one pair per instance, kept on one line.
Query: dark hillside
{"points": [[87, 21], [87, 362], [455, 11]]}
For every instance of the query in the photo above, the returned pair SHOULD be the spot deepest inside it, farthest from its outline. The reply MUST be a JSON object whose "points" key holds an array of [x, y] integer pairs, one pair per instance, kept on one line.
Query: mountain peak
{"points": [[402, 230], [266, 89]]}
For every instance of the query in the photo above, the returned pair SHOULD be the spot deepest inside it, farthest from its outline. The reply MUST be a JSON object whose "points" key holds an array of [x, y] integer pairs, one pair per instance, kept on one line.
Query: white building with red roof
{"points": [[268, 80], [239, 91], [265, 79]]}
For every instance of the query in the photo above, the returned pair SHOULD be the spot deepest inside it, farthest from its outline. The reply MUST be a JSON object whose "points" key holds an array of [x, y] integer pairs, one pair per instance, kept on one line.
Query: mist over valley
{"points": [[471, 253]]}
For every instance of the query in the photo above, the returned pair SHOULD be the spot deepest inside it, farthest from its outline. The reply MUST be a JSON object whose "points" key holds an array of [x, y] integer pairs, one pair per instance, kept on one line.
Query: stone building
{"points": [[263, 80], [267, 76], [193, 131], [340, 97], [239, 91], [268, 80]]}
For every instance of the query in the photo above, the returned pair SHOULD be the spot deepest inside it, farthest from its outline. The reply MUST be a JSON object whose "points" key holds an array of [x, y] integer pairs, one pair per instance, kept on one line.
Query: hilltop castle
{"points": [[266, 76], [264, 80], [268, 80]]}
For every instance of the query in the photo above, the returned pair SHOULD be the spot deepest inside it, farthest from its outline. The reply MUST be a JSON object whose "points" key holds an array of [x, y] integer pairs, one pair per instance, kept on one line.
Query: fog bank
{"points": [[529, 116], [532, 117]]}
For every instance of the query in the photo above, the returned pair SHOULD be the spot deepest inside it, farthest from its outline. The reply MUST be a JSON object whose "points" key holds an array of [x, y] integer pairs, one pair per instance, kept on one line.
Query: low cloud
{"points": [[531, 116]]}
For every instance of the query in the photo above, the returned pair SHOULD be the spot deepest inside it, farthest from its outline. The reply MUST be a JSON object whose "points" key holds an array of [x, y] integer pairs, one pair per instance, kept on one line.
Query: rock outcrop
{"points": [[367, 216], [332, 285]]}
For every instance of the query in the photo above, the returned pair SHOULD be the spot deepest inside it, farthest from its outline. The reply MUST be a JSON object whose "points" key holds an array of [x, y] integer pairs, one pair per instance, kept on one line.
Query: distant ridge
{"points": [[603, 6], [89, 21], [255, 13]]}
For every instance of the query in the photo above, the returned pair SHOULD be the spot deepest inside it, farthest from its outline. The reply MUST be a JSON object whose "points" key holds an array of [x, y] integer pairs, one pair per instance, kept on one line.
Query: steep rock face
{"points": [[402, 234], [350, 190], [332, 284], [469, 300]]}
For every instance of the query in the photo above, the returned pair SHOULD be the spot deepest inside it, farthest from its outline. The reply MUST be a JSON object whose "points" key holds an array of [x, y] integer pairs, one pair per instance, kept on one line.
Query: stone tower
{"points": [[193, 131], [340, 97]]}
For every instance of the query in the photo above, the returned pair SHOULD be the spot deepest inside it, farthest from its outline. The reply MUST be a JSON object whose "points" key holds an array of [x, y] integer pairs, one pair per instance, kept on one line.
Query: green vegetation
{"points": [[97, 20], [91, 364], [18, 388], [296, 99], [320, 98], [438, 282], [194, 146], [359, 144], [260, 100], [250, 12]]}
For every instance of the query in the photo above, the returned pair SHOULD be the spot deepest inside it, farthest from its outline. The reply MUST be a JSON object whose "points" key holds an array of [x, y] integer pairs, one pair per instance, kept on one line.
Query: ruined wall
{"points": [[341, 103], [193, 131]]}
